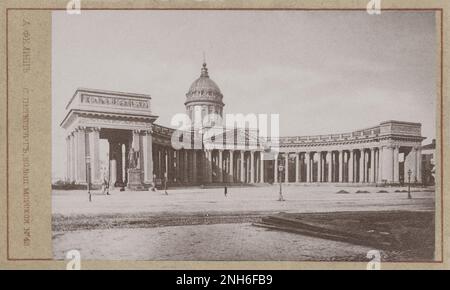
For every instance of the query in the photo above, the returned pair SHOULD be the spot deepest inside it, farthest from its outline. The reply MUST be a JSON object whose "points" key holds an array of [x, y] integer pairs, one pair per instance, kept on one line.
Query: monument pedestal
{"points": [[134, 179]]}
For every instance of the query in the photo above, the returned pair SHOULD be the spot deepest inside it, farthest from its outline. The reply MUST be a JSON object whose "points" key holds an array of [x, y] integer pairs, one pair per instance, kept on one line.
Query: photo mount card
{"points": [[224, 135]]}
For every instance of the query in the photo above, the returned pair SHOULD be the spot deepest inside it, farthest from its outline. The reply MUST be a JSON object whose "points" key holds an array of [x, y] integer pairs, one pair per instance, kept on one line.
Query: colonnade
{"points": [[208, 166], [384, 164], [378, 164]]}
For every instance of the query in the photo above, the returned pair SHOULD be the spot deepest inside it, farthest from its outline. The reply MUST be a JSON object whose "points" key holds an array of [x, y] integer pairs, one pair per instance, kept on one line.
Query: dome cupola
{"points": [[204, 96]]}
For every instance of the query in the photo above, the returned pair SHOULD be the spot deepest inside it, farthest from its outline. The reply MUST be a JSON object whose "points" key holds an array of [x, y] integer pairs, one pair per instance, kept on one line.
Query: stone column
{"points": [[75, 155], [308, 166], [159, 156], [341, 165], [257, 168], [148, 156], [170, 164], [323, 166], [94, 139], [396, 165], [372, 165], [94, 154], [261, 164], [419, 164], [388, 162], [72, 157], [178, 165], [252, 167], [328, 158], [248, 168], [242, 167], [375, 168], [194, 166], [67, 158], [210, 166], [350, 166], [220, 171], [231, 166], [184, 165], [166, 163], [81, 155], [113, 171], [319, 167], [297, 167], [366, 166], [286, 167], [275, 173], [380, 164], [361, 165]]}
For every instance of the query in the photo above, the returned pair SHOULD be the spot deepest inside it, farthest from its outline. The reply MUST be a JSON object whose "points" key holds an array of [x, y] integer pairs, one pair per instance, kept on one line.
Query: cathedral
{"points": [[114, 136]]}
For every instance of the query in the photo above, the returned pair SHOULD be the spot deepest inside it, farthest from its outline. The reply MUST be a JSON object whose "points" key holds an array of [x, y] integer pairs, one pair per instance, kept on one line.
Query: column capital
{"points": [[92, 129], [80, 128]]}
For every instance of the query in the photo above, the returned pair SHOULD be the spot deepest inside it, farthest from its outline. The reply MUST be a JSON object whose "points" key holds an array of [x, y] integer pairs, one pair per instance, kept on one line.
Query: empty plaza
{"points": [[195, 223]]}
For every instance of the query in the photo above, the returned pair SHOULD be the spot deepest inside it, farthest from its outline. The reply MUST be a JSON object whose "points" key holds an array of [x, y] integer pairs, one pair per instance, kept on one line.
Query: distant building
{"points": [[428, 163]]}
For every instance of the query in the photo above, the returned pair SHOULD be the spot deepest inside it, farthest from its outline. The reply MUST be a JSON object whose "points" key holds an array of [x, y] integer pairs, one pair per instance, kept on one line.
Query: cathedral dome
{"points": [[204, 89]]}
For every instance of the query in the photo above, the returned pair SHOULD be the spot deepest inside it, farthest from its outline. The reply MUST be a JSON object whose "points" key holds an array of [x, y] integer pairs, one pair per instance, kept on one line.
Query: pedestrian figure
{"points": [[225, 191]]}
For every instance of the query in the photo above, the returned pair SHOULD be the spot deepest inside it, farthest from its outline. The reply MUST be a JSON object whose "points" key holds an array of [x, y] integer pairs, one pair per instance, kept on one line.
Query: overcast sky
{"points": [[323, 72]]}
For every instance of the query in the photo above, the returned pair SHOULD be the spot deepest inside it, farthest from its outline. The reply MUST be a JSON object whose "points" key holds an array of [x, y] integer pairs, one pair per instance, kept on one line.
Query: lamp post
{"points": [[88, 176], [409, 184], [280, 171]]}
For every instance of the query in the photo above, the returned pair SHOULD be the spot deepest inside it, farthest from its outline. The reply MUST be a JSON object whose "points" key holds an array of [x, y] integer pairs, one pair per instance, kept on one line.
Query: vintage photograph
{"points": [[244, 135]]}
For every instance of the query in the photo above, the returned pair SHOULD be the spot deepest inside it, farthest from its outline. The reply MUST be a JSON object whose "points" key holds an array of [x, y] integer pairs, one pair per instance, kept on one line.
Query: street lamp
{"points": [[409, 184], [280, 170]]}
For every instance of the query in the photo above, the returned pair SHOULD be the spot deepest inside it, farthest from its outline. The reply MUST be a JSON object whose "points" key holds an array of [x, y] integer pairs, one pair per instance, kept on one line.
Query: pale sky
{"points": [[323, 72]]}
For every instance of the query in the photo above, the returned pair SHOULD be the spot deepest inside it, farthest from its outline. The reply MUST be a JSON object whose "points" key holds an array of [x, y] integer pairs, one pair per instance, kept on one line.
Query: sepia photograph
{"points": [[244, 135]]}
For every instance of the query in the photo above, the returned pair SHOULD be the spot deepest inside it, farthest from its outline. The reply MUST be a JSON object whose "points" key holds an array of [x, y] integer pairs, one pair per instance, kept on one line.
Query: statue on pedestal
{"points": [[133, 159], [134, 171]]}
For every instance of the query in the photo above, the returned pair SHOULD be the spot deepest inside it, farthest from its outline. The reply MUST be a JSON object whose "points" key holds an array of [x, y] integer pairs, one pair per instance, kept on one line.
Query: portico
{"points": [[125, 121]]}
